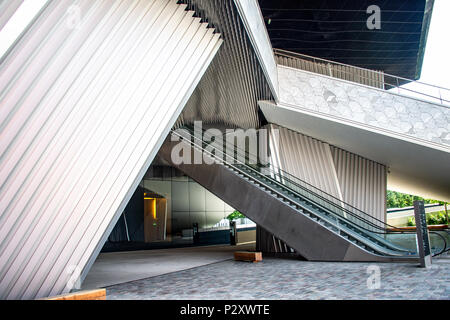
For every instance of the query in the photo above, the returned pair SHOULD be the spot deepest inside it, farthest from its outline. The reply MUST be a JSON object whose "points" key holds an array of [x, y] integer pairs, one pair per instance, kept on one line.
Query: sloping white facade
{"points": [[87, 96]]}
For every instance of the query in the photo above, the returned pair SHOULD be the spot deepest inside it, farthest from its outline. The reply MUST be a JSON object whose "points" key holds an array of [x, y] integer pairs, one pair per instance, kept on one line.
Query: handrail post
{"points": [[423, 238]]}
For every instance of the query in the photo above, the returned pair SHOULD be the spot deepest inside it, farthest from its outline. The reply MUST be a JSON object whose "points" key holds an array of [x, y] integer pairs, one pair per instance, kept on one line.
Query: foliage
{"points": [[235, 215], [436, 218], [400, 200], [432, 219]]}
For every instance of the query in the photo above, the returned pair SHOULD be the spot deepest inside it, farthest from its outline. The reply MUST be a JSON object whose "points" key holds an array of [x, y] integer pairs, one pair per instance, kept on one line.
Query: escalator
{"points": [[318, 226]]}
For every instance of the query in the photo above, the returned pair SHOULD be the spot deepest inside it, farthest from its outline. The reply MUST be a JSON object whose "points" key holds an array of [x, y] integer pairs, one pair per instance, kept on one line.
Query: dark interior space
{"points": [[337, 30]]}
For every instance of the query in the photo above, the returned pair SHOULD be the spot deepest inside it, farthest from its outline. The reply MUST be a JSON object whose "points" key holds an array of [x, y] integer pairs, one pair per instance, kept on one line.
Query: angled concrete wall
{"points": [[85, 107]]}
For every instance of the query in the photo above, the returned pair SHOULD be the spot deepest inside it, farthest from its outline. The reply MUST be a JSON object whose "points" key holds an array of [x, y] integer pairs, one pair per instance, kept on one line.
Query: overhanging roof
{"points": [[337, 30], [413, 168]]}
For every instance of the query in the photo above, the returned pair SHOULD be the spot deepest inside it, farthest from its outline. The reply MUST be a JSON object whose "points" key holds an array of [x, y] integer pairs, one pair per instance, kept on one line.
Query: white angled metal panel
{"points": [[7, 10], [85, 107], [306, 158], [349, 177], [363, 182]]}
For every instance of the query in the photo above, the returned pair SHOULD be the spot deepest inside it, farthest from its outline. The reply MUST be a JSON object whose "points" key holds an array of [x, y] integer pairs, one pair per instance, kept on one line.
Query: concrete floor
{"points": [[210, 273], [119, 267], [293, 279]]}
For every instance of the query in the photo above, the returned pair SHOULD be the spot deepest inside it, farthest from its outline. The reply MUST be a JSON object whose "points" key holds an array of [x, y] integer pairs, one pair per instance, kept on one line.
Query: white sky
{"points": [[436, 63]]}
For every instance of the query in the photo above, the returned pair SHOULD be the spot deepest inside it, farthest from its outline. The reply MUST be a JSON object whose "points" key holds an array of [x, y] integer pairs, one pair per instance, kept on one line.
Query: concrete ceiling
{"points": [[337, 30]]}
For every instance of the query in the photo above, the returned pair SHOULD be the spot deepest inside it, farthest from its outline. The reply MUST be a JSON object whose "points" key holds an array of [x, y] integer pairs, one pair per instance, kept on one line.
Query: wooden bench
{"points": [[99, 294], [248, 256]]}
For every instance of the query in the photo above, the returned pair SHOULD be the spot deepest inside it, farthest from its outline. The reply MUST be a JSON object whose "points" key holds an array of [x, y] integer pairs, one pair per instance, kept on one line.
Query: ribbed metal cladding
{"points": [[355, 180], [306, 158], [7, 10], [232, 85], [84, 109], [363, 182], [367, 77]]}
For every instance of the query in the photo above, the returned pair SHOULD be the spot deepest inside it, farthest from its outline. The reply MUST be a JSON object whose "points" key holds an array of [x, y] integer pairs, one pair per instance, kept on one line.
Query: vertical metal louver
{"points": [[355, 180], [306, 158], [85, 103], [233, 84], [363, 182]]}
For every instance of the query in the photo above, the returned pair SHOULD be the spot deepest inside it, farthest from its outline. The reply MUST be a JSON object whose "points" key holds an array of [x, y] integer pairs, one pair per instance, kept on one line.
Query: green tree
{"points": [[400, 200], [235, 215]]}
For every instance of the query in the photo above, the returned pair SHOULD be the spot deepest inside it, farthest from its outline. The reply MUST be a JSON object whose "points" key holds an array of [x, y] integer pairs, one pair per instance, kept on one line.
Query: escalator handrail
{"points": [[337, 215], [291, 200], [444, 249], [314, 187], [344, 222], [343, 208]]}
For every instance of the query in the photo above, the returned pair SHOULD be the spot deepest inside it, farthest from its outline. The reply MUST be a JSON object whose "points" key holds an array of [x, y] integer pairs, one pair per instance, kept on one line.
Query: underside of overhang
{"points": [[337, 30], [414, 168]]}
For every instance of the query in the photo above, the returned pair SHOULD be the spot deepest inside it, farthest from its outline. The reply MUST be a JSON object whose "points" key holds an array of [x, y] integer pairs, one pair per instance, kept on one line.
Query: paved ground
{"points": [[118, 267], [292, 279]]}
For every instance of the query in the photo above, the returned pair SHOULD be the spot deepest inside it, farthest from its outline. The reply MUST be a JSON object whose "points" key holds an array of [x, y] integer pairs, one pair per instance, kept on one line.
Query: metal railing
{"points": [[345, 213], [334, 212], [373, 78]]}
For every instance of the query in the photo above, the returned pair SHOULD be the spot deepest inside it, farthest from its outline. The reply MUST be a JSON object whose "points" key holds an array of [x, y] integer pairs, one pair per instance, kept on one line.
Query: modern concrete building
{"points": [[96, 97]]}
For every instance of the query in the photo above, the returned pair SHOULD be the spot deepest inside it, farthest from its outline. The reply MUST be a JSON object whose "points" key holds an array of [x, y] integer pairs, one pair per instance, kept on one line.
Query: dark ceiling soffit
{"points": [[429, 4]]}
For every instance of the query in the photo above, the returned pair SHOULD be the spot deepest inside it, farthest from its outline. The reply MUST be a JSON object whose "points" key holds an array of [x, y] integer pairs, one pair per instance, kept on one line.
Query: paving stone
{"points": [[291, 279]]}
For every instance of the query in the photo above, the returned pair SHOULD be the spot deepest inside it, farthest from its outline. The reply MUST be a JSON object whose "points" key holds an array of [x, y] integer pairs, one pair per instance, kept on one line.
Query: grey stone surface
{"points": [[118, 267], [366, 105], [292, 279]]}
